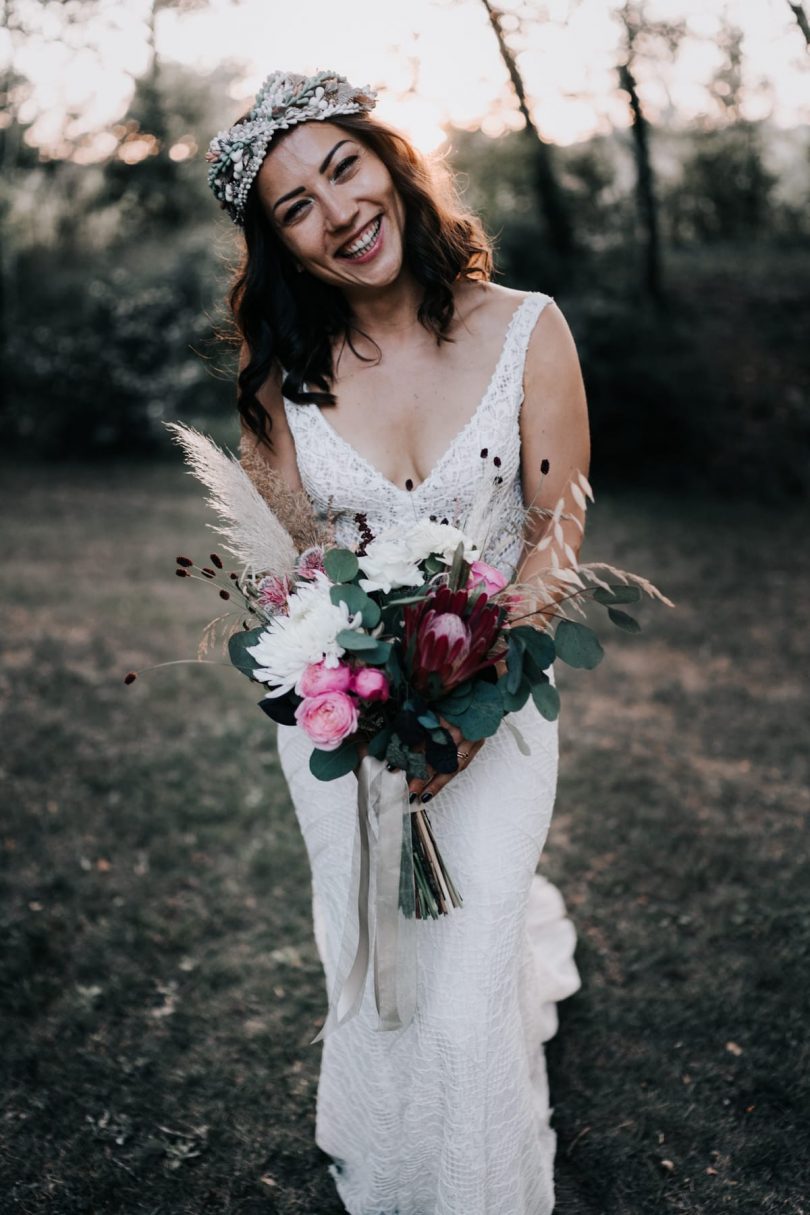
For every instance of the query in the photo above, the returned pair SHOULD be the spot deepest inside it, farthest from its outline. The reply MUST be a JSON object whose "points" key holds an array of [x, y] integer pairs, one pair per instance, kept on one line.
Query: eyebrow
{"points": [[321, 169]]}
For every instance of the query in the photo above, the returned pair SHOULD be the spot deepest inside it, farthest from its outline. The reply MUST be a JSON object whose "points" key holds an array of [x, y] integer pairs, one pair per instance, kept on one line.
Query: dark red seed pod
{"points": [[181, 573], [217, 561], [497, 461], [544, 466], [409, 484], [184, 561], [209, 573], [233, 575], [499, 480], [224, 594], [484, 453], [130, 677]]}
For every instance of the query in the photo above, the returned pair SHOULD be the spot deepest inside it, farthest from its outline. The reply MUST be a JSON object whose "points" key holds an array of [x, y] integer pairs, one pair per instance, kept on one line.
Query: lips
{"points": [[361, 242]]}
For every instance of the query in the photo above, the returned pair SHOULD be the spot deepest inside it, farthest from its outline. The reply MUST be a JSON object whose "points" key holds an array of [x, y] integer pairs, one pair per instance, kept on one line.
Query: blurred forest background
{"points": [[679, 251]]}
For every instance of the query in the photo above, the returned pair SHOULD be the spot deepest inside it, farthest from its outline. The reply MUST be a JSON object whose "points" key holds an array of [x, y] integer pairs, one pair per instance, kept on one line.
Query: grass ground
{"points": [[159, 978]]}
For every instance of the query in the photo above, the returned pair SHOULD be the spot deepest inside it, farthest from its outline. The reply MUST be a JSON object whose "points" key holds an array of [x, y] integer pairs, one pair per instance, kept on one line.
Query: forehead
{"points": [[298, 154]]}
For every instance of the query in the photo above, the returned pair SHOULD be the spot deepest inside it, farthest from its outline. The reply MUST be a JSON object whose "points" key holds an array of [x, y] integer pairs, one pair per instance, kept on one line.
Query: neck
{"points": [[386, 312]]}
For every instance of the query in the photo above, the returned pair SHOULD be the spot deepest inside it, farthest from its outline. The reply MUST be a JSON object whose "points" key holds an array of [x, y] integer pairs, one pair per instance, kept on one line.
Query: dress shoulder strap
{"points": [[523, 323]]}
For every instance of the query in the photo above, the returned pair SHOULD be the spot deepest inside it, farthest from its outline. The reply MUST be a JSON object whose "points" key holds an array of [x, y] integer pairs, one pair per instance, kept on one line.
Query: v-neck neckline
{"points": [[457, 438]]}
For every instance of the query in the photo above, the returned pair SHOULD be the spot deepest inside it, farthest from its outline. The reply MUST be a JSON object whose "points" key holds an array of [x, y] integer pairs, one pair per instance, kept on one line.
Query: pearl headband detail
{"points": [[285, 99]]}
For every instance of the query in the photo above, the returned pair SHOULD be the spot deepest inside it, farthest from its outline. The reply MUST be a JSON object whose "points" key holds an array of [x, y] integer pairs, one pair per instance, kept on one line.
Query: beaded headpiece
{"points": [[236, 154]]}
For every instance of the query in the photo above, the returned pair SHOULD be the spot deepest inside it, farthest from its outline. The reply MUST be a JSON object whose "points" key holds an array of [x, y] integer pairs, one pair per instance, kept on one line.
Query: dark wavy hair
{"points": [[288, 320]]}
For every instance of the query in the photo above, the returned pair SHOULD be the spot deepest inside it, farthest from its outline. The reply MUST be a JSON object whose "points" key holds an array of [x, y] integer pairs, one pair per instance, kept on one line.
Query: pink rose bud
{"points": [[327, 719], [370, 683], [318, 678], [487, 577]]}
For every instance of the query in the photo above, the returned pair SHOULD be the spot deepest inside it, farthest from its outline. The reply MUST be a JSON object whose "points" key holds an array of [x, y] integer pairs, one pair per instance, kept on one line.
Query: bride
{"points": [[384, 373]]}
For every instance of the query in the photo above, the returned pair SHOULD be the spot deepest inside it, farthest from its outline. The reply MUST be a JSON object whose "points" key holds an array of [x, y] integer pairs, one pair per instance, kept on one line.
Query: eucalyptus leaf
{"points": [[350, 639], [513, 702], [536, 642], [340, 565], [522, 745], [378, 745], [514, 664], [356, 600], [330, 765], [484, 715], [623, 621], [379, 656], [237, 649], [619, 592], [547, 699], [578, 645]]}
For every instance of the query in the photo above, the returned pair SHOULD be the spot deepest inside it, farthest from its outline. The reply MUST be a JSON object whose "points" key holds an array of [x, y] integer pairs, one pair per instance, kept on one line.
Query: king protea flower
{"points": [[453, 639]]}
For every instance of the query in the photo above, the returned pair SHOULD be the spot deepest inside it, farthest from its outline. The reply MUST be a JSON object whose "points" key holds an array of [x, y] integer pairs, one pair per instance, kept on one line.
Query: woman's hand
{"points": [[436, 781], [426, 789]]}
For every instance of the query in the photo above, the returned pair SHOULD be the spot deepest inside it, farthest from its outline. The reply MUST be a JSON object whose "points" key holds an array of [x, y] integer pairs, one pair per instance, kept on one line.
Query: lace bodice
{"points": [[335, 474]]}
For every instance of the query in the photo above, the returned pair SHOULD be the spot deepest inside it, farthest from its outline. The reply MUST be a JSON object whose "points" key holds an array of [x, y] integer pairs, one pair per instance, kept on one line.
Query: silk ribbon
{"points": [[382, 900]]}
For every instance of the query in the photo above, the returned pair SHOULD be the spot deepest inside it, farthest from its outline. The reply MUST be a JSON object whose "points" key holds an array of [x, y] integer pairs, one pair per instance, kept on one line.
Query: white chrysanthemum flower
{"points": [[387, 564], [425, 538], [307, 635]]}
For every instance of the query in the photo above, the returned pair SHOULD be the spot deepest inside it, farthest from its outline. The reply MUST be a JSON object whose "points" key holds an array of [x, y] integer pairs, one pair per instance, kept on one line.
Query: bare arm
{"points": [[281, 457], [553, 427]]}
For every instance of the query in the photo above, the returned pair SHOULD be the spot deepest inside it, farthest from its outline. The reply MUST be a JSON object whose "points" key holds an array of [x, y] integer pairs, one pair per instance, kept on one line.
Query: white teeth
{"points": [[363, 242]]}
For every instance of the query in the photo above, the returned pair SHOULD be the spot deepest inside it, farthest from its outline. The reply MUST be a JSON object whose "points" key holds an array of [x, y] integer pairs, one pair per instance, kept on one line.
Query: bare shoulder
{"points": [[482, 305], [551, 355]]}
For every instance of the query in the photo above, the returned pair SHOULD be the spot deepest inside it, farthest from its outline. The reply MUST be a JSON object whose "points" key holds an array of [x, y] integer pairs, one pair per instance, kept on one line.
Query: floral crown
{"points": [[236, 154]]}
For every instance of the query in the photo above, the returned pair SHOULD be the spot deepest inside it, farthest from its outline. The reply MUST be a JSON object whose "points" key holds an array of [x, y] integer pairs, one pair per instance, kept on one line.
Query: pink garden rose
{"points": [[327, 719], [318, 678], [370, 683], [487, 577]]}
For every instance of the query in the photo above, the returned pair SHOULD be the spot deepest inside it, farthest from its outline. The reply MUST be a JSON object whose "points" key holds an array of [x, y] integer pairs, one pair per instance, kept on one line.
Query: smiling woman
{"points": [[364, 295], [306, 246]]}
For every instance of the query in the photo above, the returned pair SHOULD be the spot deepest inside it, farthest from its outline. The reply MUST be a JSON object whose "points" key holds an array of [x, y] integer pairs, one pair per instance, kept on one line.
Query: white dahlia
{"points": [[307, 635]]}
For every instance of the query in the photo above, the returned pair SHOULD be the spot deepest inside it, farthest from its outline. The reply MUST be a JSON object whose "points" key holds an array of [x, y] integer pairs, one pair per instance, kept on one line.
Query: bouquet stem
{"points": [[435, 892]]}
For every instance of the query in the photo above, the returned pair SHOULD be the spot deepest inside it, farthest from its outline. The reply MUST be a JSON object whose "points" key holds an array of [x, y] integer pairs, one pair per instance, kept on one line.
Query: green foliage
{"points": [[340, 565], [237, 649], [623, 621], [356, 600], [578, 645], [482, 716], [547, 699], [331, 765]]}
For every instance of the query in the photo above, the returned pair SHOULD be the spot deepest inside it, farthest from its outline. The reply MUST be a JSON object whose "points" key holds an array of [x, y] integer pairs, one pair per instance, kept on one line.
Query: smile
{"points": [[364, 243]]}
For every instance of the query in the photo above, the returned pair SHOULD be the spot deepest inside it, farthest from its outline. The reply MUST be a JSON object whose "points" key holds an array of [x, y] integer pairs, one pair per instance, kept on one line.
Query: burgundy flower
{"points": [[450, 638]]}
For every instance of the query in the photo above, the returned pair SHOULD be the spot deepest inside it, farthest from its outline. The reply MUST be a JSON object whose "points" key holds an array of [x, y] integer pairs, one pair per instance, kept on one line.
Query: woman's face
{"points": [[333, 204]]}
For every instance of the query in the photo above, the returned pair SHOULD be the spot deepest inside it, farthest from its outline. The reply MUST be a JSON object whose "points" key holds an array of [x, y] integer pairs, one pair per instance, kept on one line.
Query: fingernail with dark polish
{"points": [[426, 797], [412, 798]]}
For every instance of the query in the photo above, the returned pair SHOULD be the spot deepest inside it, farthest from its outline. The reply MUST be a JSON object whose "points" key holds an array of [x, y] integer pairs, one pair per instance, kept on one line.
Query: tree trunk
{"points": [[552, 202], [645, 187]]}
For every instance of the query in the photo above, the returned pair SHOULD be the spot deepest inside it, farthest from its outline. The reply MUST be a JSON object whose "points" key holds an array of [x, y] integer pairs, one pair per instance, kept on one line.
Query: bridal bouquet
{"points": [[378, 650]]}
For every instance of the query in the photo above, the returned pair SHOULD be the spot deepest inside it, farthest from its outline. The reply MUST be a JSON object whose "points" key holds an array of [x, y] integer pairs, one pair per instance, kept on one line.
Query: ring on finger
{"points": [[463, 754]]}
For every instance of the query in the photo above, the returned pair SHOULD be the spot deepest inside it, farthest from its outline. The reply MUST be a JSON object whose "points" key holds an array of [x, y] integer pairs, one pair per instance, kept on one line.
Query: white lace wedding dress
{"points": [[450, 1115]]}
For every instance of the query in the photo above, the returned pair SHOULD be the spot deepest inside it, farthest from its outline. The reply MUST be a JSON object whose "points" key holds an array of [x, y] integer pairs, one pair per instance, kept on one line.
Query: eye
{"points": [[344, 164], [294, 211]]}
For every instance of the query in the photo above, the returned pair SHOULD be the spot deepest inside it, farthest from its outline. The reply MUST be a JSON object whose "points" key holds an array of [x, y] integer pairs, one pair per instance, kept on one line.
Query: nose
{"points": [[340, 213]]}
